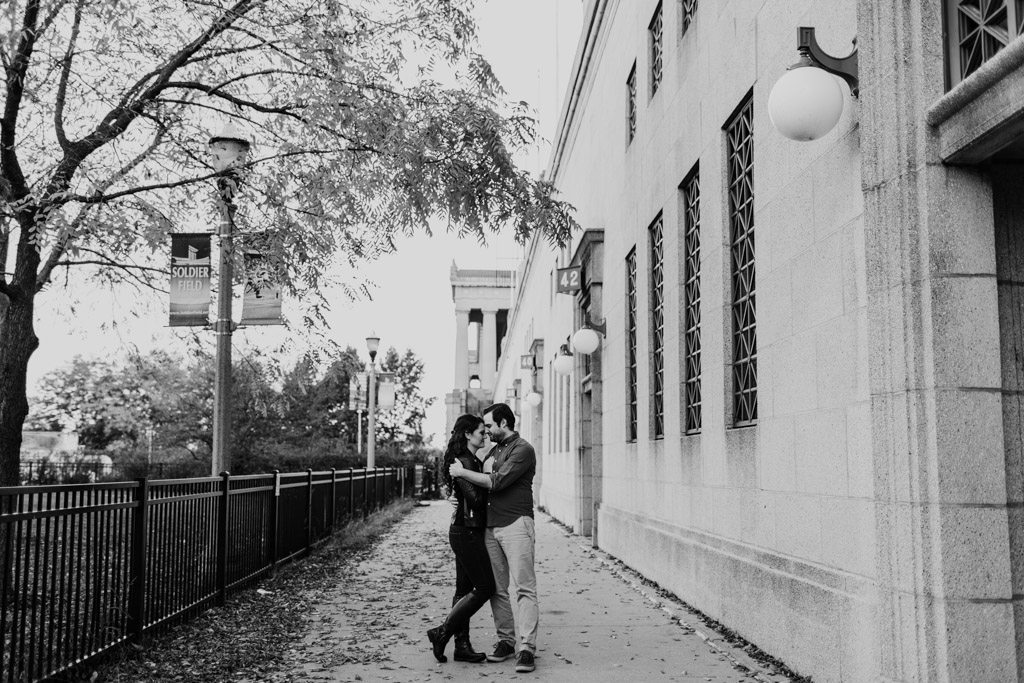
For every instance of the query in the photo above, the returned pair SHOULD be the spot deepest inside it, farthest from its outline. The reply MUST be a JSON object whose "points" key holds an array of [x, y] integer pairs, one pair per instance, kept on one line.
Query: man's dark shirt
{"points": [[511, 494]]}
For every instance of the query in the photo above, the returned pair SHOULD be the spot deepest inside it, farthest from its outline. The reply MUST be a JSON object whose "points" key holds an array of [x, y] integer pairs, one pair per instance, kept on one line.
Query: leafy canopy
{"points": [[368, 119]]}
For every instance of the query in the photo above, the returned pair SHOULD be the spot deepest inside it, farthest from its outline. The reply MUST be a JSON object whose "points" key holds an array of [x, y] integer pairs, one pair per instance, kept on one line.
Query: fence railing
{"points": [[88, 567]]}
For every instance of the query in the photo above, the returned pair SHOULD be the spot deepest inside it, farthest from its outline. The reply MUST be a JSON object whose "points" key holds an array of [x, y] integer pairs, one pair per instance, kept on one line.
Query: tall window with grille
{"points": [[657, 242], [655, 31], [740, 153], [977, 30], [631, 354], [687, 8], [691, 301], [631, 105]]}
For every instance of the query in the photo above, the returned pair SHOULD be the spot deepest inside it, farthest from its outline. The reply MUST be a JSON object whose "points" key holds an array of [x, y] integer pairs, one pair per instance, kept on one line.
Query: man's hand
{"points": [[456, 469]]}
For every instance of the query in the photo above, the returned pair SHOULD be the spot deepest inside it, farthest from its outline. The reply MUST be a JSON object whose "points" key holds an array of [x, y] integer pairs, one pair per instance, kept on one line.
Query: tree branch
{"points": [[16, 74], [117, 120], [62, 85]]}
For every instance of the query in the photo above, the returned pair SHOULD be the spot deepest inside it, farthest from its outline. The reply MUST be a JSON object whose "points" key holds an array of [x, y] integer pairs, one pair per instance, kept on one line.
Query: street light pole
{"points": [[372, 344], [228, 152]]}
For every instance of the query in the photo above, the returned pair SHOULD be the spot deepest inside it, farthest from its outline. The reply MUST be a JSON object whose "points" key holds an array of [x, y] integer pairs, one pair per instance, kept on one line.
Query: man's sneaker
{"points": [[502, 651], [524, 662]]}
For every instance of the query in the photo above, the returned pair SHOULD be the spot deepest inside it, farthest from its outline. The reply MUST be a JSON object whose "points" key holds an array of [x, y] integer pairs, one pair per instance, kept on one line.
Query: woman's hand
{"points": [[456, 468]]}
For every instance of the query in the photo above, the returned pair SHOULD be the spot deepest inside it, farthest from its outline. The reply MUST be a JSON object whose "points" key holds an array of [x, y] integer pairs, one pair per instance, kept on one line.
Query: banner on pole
{"points": [[386, 391], [190, 279], [357, 394], [261, 300]]}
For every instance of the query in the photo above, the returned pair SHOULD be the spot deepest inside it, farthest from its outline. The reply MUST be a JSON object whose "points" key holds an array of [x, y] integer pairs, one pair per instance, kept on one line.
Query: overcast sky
{"points": [[531, 45]]}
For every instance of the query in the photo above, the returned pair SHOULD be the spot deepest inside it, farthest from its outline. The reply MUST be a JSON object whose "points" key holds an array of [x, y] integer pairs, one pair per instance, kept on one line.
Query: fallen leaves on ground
{"points": [[246, 640]]}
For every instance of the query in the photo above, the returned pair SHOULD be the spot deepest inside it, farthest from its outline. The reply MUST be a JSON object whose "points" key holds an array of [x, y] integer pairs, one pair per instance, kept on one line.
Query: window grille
{"points": [[687, 9], [977, 30], [655, 31], [631, 360], [691, 301], [657, 326], [740, 140], [631, 102]]}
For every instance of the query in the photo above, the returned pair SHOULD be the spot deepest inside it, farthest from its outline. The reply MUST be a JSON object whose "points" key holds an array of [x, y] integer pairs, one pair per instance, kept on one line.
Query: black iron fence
{"points": [[88, 567]]}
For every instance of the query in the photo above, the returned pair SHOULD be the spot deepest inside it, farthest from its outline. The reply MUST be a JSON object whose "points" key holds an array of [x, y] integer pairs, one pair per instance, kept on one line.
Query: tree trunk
{"points": [[17, 341]]}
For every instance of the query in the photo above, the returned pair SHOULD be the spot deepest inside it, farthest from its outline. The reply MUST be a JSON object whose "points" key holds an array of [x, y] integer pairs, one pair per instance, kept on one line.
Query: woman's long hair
{"points": [[466, 424]]}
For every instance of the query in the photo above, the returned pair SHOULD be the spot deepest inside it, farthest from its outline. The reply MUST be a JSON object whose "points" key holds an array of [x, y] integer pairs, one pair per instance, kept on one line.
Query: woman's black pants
{"points": [[474, 580]]}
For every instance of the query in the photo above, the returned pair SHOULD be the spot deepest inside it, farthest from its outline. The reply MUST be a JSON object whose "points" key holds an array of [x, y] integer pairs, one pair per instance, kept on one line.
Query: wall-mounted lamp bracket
{"points": [[844, 67], [597, 327]]}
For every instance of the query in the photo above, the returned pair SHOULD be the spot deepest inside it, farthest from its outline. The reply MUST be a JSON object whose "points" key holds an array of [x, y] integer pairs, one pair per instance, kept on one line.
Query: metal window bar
{"points": [[691, 303], [687, 8], [630, 104], [976, 30], [87, 567], [655, 31], [631, 350], [739, 134], [656, 238]]}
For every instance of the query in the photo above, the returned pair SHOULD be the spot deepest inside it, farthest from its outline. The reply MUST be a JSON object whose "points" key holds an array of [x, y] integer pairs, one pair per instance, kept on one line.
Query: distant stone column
{"points": [[461, 349], [489, 350]]}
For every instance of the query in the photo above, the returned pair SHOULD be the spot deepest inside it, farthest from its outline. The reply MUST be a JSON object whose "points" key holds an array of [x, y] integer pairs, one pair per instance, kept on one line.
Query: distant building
{"points": [[59, 454], [804, 417], [481, 300]]}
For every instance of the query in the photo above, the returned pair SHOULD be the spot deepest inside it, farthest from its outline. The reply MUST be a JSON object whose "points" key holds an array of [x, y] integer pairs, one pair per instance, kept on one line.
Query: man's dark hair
{"points": [[501, 411]]}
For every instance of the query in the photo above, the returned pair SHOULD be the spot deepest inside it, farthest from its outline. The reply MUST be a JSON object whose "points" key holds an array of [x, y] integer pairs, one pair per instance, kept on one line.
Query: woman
{"points": [[474, 582]]}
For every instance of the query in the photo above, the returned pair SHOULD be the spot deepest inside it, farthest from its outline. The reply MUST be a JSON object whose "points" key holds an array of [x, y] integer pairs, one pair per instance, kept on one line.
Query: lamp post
{"points": [[372, 344], [228, 152]]}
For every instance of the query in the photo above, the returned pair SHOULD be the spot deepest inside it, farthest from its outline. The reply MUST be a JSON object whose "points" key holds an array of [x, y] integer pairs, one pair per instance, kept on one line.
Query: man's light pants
{"points": [[511, 550]]}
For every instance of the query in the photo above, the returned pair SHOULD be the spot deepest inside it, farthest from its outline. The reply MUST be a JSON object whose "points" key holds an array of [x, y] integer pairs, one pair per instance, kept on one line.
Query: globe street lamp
{"points": [[228, 152], [372, 344]]}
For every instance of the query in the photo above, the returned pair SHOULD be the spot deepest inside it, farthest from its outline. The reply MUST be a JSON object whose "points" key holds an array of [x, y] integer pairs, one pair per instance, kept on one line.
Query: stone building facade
{"points": [[804, 417], [481, 300]]}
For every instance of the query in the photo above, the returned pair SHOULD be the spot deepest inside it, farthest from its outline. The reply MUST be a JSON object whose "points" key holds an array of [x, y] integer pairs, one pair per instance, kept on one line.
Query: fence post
{"points": [[334, 499], [222, 540], [351, 495], [309, 510], [137, 580], [275, 511], [366, 491]]}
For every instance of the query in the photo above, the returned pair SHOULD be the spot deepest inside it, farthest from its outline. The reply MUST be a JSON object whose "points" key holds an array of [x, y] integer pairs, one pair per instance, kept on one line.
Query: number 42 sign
{"points": [[569, 280]]}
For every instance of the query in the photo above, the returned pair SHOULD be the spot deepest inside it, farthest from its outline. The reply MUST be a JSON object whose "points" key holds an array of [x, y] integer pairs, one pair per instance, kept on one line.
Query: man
{"points": [[510, 534]]}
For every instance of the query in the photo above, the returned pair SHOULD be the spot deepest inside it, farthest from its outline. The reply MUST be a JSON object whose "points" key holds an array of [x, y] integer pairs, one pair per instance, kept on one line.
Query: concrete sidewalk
{"points": [[597, 623]]}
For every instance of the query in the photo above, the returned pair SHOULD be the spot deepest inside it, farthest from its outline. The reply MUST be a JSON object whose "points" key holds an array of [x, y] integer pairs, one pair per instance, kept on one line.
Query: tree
{"points": [[107, 104], [153, 402], [403, 424]]}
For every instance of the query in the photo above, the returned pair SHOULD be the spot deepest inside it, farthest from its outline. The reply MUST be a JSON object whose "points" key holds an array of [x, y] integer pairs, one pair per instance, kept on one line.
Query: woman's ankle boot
{"points": [[464, 650], [439, 638]]}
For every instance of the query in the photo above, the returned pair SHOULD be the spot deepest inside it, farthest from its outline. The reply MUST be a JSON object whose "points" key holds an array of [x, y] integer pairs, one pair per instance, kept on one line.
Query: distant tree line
{"points": [[156, 409]]}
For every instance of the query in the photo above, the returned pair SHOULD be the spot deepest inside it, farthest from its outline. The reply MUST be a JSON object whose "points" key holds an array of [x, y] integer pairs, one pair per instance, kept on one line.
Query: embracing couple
{"points": [[492, 534]]}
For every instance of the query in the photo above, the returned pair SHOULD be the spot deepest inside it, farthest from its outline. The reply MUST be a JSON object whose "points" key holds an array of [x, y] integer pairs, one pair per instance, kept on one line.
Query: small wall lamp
{"points": [[586, 339], [564, 361], [533, 398], [806, 102]]}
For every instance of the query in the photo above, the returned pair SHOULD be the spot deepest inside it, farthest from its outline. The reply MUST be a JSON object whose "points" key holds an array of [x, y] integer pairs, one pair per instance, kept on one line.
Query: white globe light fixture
{"points": [[565, 362], [807, 101], [586, 340], [533, 398]]}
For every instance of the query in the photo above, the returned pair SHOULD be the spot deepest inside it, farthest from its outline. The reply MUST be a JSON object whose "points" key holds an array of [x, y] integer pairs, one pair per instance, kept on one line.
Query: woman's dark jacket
{"points": [[471, 510]]}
